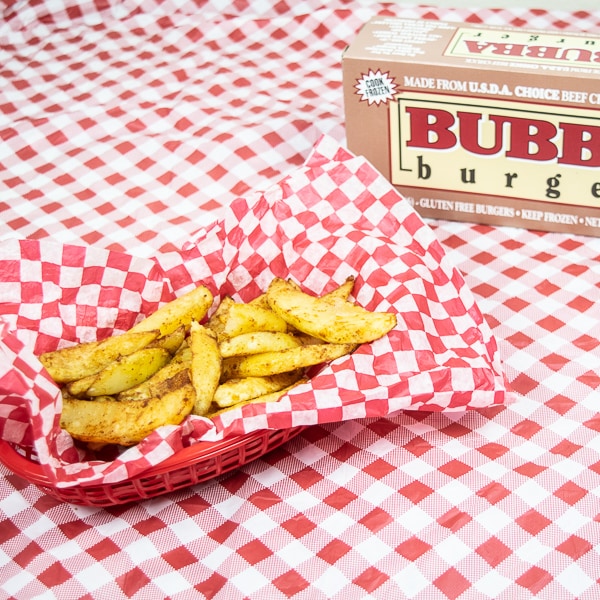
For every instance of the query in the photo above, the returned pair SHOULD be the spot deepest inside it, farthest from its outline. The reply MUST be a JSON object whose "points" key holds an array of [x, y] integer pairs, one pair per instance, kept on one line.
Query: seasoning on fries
{"points": [[169, 365]]}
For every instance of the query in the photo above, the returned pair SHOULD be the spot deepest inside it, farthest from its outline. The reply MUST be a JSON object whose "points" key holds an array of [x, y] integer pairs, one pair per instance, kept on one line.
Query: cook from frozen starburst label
{"points": [[376, 87]]}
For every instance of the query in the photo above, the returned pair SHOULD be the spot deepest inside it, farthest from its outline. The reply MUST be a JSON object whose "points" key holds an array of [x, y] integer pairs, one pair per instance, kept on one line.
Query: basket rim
{"points": [[33, 471]]}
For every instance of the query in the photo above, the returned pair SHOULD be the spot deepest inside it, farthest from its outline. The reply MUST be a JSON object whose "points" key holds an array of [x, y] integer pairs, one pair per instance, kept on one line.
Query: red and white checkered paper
{"points": [[335, 217]]}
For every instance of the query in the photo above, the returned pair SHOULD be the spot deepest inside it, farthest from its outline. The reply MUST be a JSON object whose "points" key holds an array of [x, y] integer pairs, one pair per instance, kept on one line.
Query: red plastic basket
{"points": [[197, 463]]}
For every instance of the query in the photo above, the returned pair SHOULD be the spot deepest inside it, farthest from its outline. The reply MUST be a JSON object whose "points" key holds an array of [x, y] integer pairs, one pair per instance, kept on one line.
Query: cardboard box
{"points": [[478, 123]]}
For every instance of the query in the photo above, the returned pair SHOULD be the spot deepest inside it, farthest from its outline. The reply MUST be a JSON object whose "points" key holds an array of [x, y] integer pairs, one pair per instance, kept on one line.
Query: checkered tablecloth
{"points": [[128, 125]]}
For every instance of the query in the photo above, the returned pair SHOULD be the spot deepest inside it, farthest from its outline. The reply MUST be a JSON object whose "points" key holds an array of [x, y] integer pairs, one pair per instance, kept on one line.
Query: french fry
{"points": [[271, 363], [184, 354], [269, 397], [257, 341], [79, 361], [216, 323], [205, 369], [121, 374], [182, 310], [125, 423], [241, 389], [333, 320], [168, 366], [247, 318], [260, 300], [174, 374], [342, 291], [234, 318], [171, 341]]}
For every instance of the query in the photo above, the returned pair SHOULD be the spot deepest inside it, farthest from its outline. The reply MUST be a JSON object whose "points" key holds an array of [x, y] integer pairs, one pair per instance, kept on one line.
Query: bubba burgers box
{"points": [[478, 123]]}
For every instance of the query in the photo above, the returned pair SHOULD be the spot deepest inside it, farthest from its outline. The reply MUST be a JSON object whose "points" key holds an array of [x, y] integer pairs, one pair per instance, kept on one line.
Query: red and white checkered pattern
{"points": [[333, 218], [128, 126]]}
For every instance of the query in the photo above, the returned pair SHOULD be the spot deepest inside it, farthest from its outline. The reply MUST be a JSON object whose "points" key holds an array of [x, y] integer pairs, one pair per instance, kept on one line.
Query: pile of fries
{"points": [[169, 365]]}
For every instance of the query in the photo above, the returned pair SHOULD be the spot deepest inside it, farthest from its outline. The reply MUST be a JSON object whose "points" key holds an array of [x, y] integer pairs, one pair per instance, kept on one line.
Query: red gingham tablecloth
{"points": [[130, 125]]}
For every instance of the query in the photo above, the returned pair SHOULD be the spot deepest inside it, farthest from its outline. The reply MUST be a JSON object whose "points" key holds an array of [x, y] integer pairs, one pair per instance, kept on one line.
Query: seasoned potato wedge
{"points": [[257, 341], [268, 397], [121, 374], [333, 320], [125, 423], [171, 341], [169, 365], [205, 368], [270, 363], [216, 323], [82, 360], [342, 291], [241, 389], [234, 318], [173, 375], [182, 310]]}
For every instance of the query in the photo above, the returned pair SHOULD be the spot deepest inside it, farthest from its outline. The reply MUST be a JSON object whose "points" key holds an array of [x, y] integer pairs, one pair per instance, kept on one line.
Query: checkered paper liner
{"points": [[334, 217]]}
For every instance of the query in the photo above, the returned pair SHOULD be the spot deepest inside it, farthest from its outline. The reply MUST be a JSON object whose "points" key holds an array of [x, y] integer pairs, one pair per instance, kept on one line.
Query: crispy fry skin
{"points": [[332, 319], [173, 375], [82, 360], [184, 309], [125, 367], [244, 318], [342, 291], [257, 341], [205, 369], [168, 366], [269, 397], [121, 374], [270, 363], [234, 318], [125, 423], [171, 341], [241, 389]]}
